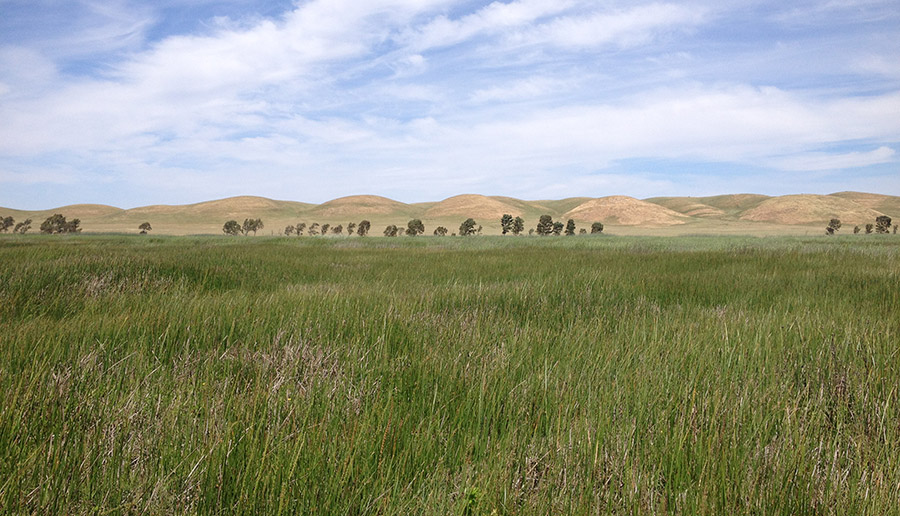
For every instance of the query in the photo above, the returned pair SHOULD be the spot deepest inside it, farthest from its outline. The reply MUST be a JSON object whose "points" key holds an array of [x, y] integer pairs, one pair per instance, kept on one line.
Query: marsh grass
{"points": [[435, 376]]}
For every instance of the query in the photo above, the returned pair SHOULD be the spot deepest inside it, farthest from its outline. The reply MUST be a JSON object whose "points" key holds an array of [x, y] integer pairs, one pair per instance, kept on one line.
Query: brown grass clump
{"points": [[476, 206], [627, 211], [809, 209]]}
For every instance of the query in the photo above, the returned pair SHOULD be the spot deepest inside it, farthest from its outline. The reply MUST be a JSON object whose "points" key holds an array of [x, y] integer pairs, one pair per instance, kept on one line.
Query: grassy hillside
{"points": [[449, 376], [666, 216]]}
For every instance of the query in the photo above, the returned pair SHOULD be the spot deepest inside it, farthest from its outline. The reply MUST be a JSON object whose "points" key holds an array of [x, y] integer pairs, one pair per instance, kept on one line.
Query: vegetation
{"points": [[467, 227], [518, 226], [313, 229], [22, 227], [440, 231], [363, 228], [545, 225], [570, 228], [882, 224], [596, 228], [391, 230], [512, 376], [557, 228], [833, 226], [869, 228], [232, 228], [506, 223], [145, 228], [253, 225], [351, 228], [56, 224], [6, 223], [300, 228], [337, 230], [855, 230], [415, 227], [325, 228]]}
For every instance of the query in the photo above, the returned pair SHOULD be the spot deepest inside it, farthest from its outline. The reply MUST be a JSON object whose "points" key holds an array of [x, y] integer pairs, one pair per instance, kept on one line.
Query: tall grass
{"points": [[435, 376]]}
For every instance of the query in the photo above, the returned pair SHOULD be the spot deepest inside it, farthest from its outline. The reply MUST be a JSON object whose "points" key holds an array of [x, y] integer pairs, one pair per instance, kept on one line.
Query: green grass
{"points": [[449, 376]]}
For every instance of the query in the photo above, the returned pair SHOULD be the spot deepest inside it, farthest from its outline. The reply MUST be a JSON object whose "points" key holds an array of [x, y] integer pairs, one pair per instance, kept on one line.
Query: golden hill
{"points": [[475, 206], [626, 211], [810, 209], [887, 204], [357, 205], [690, 206]]}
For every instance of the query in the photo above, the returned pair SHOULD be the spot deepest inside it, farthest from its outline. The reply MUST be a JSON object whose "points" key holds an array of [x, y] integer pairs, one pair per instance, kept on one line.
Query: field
{"points": [[480, 375]]}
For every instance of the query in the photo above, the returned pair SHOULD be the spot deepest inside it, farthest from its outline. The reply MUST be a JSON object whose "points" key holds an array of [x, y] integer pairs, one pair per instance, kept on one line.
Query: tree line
{"points": [[881, 226], [54, 224]]}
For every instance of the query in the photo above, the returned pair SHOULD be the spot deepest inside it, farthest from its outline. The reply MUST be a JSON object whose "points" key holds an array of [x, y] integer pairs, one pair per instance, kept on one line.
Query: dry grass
{"points": [[810, 209], [475, 206], [626, 211]]}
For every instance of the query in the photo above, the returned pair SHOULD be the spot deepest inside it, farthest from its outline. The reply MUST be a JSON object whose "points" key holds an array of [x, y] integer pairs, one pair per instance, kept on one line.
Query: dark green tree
{"points": [[545, 225], [145, 227], [596, 228], [232, 228], [6, 223], [391, 231], [22, 227], [518, 226], [557, 228], [570, 228], [57, 223], [440, 231], [467, 227], [325, 229], [338, 230], [300, 228], [289, 230], [506, 223], [582, 231], [869, 228], [363, 228], [415, 227], [834, 225], [253, 225], [855, 229], [351, 228], [314, 229], [883, 224]]}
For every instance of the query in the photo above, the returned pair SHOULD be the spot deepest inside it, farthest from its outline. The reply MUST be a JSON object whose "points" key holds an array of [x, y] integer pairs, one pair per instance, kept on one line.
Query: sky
{"points": [[131, 103]]}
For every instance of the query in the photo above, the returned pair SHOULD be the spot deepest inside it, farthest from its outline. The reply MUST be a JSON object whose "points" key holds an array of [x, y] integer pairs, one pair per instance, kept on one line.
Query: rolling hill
{"points": [[731, 213]]}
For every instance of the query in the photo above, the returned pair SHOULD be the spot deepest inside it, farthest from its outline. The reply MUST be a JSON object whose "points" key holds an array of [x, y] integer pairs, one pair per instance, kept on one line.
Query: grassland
{"points": [[480, 375]]}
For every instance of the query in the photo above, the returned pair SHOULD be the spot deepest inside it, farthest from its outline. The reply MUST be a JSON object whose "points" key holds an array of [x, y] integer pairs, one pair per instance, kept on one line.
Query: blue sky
{"points": [[132, 103]]}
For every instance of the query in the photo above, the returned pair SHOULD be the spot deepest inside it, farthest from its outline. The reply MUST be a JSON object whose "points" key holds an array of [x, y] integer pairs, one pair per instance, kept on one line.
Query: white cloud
{"points": [[811, 161]]}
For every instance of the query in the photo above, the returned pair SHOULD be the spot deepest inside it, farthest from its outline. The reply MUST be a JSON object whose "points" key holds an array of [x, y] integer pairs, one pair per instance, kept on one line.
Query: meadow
{"points": [[478, 375]]}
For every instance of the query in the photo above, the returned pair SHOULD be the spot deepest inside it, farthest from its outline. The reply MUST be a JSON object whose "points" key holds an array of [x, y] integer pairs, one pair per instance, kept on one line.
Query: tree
{"points": [[467, 227], [415, 227], [363, 228], [570, 228], [478, 231], [391, 231], [56, 223], [596, 228], [314, 229], [231, 228], [557, 228], [869, 228], [834, 225], [351, 228], [6, 223], [145, 227], [855, 229], [253, 225], [300, 228], [23, 227], [545, 225], [530, 231], [338, 230], [882, 224], [289, 230], [582, 231], [829, 230], [440, 231], [506, 223], [518, 226], [325, 229]]}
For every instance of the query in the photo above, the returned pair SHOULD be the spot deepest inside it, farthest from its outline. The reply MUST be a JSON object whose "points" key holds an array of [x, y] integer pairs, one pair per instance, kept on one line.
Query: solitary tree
{"points": [[300, 228], [557, 228], [467, 227], [570, 228], [391, 231], [325, 228], [314, 229], [363, 228], [23, 227], [289, 230], [415, 227], [351, 228], [231, 228], [440, 231], [506, 223], [6, 223], [882, 224], [545, 225], [518, 226], [596, 228], [145, 227]]}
